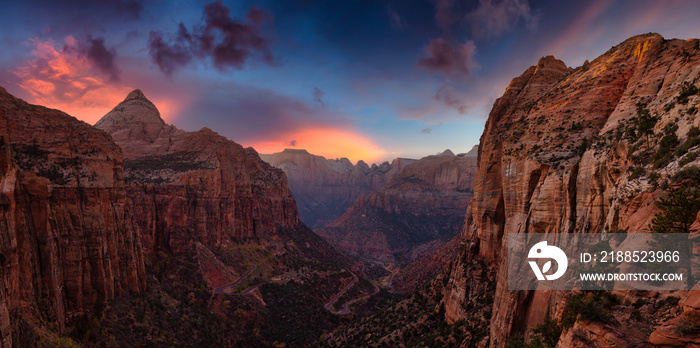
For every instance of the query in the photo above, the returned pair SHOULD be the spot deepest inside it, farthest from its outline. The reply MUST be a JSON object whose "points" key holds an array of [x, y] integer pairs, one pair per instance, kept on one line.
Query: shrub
{"points": [[637, 172], [684, 327], [687, 90], [691, 173], [636, 315], [688, 158], [516, 342], [687, 145], [546, 334], [590, 306]]}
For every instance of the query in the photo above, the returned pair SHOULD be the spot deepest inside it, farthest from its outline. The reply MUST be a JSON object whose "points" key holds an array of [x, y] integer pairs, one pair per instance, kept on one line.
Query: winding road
{"points": [[345, 309], [222, 289]]}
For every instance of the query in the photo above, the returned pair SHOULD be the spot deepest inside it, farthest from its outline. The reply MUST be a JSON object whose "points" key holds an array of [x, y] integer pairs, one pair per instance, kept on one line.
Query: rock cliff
{"points": [[325, 188], [562, 152], [194, 186], [417, 211], [67, 243]]}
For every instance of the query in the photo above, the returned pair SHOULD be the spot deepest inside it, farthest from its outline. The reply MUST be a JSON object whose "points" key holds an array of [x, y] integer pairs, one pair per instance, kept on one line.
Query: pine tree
{"points": [[678, 212]]}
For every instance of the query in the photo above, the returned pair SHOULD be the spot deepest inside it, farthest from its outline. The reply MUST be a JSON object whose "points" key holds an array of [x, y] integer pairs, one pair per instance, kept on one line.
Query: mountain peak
{"points": [[136, 94], [136, 114], [297, 151], [447, 152]]}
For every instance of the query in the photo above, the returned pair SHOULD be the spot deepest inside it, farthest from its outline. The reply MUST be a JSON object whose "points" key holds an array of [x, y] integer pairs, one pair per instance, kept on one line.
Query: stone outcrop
{"points": [[325, 188], [557, 155], [194, 186], [67, 243], [417, 211]]}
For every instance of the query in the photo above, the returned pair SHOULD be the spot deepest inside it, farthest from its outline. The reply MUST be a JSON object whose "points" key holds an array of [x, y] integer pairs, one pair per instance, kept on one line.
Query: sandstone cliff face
{"points": [[419, 210], [325, 188], [194, 186], [67, 242], [555, 158]]}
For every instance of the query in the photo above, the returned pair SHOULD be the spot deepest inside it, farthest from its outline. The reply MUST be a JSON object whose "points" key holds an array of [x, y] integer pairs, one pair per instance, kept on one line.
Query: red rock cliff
{"points": [[326, 188], [67, 242], [554, 157], [194, 186], [419, 209]]}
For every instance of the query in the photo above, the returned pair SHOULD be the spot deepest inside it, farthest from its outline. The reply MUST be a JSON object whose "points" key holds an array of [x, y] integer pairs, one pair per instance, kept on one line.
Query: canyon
{"points": [[325, 188], [134, 232], [417, 211]]}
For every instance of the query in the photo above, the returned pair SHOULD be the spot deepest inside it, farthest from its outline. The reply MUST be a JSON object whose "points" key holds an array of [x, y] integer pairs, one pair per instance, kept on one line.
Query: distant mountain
{"points": [[325, 188], [420, 209]]}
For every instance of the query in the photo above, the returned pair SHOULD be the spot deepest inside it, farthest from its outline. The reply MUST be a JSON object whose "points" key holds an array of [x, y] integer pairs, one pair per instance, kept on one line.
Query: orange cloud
{"points": [[58, 77], [326, 142]]}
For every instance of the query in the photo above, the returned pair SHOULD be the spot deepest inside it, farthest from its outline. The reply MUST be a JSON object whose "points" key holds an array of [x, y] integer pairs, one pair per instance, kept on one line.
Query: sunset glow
{"points": [[326, 142], [427, 71]]}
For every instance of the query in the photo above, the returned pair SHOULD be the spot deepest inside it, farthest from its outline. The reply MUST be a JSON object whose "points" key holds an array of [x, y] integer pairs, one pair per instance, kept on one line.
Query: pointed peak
{"points": [[550, 61], [135, 112], [447, 152], [136, 94]]}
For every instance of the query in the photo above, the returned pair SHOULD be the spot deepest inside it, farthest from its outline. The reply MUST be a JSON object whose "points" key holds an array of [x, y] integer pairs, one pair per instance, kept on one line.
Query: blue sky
{"points": [[370, 80]]}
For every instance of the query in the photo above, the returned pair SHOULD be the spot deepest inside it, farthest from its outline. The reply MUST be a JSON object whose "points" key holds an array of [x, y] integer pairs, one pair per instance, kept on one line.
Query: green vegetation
{"points": [[645, 122], [690, 174], [684, 327], [664, 153], [594, 306], [687, 90], [692, 141], [678, 212], [637, 172], [544, 335], [179, 162]]}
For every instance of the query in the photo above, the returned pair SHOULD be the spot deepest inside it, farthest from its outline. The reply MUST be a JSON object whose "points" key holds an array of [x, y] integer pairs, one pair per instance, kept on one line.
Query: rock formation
{"points": [[557, 156], [420, 209], [194, 186], [67, 243], [325, 188]]}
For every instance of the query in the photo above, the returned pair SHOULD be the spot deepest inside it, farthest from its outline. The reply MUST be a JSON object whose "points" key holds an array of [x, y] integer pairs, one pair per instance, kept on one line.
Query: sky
{"points": [[366, 80]]}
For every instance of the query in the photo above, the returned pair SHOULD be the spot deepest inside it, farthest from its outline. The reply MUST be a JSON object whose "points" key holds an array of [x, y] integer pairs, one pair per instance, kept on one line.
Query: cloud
{"points": [[95, 51], [129, 7], [445, 14], [494, 17], [293, 143], [318, 96], [451, 98], [427, 130], [227, 41], [68, 79], [452, 59], [168, 57], [394, 18]]}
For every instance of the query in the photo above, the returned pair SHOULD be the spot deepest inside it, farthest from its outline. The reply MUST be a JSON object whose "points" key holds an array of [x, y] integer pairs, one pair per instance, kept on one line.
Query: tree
{"points": [[645, 122], [678, 212], [547, 334]]}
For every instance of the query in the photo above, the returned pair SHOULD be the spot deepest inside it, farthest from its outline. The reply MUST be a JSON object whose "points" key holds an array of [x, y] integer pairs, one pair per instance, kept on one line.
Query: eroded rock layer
{"points": [[67, 242], [326, 188], [559, 154], [194, 186], [419, 210]]}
